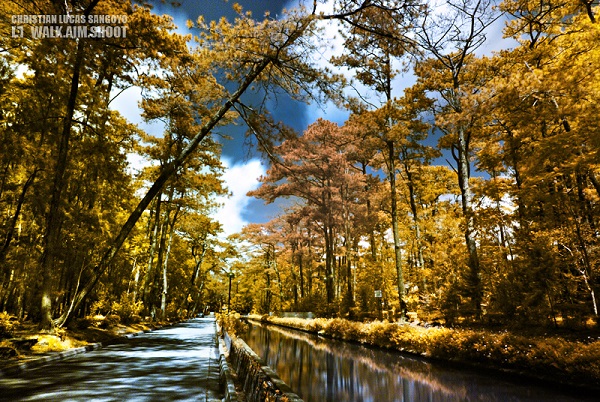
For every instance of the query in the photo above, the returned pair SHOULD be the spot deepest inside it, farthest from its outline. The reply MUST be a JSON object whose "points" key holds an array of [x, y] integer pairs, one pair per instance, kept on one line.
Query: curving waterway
{"points": [[327, 370]]}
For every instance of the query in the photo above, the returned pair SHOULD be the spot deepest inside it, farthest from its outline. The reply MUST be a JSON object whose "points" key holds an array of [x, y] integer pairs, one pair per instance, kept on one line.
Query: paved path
{"points": [[171, 364]]}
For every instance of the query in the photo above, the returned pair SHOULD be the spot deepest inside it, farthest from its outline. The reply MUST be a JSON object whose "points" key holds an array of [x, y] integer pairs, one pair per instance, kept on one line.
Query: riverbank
{"points": [[551, 357]]}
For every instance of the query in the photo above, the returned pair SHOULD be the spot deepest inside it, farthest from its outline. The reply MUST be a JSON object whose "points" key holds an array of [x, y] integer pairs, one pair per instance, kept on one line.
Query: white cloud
{"points": [[239, 179], [127, 103]]}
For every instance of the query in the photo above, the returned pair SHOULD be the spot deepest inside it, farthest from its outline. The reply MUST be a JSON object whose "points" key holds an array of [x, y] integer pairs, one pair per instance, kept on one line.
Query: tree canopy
{"points": [[472, 195]]}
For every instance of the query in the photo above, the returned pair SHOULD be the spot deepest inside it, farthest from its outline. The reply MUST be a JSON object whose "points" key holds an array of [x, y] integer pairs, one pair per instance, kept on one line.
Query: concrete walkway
{"points": [[175, 363]]}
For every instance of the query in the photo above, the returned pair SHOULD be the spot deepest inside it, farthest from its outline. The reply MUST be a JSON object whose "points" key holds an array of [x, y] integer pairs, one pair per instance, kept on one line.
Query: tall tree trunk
{"points": [[301, 273], [329, 285], [329, 244], [349, 288], [6, 289], [586, 270], [148, 277], [514, 162], [391, 165], [594, 181], [162, 246], [295, 278], [170, 225], [135, 271], [52, 235], [51, 239], [395, 228], [193, 294], [165, 283], [416, 222], [474, 275], [368, 205], [278, 276], [311, 259], [13, 222], [588, 6]]}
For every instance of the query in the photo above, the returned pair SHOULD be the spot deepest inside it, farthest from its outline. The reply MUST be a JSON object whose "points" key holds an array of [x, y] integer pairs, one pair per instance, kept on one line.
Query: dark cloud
{"points": [[238, 148], [282, 108], [215, 9]]}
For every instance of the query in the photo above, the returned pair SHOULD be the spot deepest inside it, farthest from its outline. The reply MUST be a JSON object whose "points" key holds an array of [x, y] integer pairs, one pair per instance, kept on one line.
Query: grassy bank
{"points": [[549, 357]]}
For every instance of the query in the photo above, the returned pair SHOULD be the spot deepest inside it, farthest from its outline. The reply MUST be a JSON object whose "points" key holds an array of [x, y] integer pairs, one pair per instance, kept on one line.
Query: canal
{"points": [[322, 369]]}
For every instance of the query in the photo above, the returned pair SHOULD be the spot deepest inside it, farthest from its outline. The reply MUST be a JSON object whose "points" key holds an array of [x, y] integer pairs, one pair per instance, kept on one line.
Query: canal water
{"points": [[326, 370]]}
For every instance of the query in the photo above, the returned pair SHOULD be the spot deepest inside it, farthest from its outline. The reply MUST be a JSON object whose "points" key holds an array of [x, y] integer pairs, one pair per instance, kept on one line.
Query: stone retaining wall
{"points": [[259, 382]]}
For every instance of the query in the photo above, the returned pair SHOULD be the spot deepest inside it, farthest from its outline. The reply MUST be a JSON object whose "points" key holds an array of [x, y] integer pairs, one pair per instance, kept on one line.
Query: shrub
{"points": [[380, 333], [110, 321], [81, 323], [97, 320], [7, 325], [102, 304], [128, 309], [51, 343], [7, 350], [316, 324], [232, 323], [354, 331], [343, 329]]}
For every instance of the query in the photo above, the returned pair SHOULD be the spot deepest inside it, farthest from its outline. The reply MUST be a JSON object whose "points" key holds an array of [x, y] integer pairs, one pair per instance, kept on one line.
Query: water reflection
{"points": [[321, 369]]}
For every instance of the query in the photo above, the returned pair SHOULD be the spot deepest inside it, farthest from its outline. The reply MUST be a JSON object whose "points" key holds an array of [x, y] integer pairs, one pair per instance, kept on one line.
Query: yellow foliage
{"points": [[52, 343]]}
